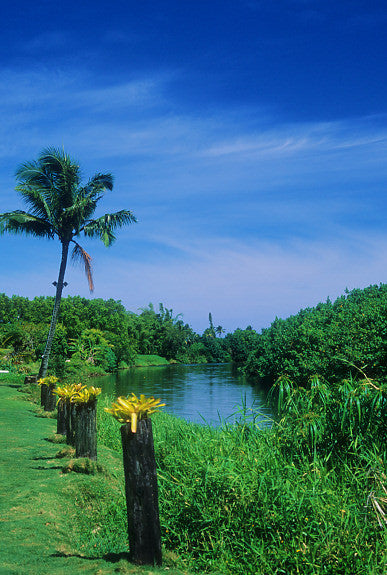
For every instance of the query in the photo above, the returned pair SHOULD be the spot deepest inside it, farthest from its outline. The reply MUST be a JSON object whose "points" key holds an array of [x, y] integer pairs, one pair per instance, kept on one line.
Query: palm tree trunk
{"points": [[54, 318]]}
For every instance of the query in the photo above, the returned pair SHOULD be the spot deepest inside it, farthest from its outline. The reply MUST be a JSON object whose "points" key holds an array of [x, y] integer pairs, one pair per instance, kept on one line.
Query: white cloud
{"points": [[291, 139], [245, 284]]}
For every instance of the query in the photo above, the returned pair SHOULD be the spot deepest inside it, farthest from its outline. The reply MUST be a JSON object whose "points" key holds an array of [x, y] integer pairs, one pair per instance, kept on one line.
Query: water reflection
{"points": [[199, 393]]}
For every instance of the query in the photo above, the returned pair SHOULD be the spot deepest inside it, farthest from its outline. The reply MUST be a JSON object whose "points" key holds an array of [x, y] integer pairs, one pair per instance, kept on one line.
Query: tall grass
{"points": [[290, 499], [335, 422]]}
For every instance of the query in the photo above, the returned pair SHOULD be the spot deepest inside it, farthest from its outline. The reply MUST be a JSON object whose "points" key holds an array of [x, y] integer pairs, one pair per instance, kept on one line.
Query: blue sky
{"points": [[248, 137]]}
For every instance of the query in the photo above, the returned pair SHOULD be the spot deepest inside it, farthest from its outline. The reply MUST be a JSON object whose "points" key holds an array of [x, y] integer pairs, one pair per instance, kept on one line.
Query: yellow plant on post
{"points": [[133, 409], [65, 395], [140, 476], [47, 387], [85, 421]]}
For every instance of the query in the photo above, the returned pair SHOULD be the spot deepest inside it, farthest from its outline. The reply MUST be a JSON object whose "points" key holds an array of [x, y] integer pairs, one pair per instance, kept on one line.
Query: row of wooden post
{"points": [[78, 423]]}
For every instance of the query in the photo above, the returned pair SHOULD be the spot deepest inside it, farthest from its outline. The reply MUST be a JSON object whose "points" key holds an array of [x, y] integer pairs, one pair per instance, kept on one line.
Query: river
{"points": [[209, 393]]}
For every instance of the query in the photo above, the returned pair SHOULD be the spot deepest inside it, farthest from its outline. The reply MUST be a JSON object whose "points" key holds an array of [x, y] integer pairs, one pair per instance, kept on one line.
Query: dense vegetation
{"points": [[306, 496], [100, 333], [328, 340]]}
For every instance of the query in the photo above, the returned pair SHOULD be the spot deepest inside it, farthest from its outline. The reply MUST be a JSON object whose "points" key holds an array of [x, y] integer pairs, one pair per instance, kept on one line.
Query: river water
{"points": [[209, 393]]}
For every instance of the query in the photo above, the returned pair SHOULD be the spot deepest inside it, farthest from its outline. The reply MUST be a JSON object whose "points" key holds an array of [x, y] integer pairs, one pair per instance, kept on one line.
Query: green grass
{"points": [[51, 522], [233, 500], [150, 360]]}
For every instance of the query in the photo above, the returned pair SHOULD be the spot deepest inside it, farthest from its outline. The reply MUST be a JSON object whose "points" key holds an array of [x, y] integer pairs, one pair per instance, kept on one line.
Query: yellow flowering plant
{"points": [[86, 395], [133, 409], [50, 380], [68, 391]]}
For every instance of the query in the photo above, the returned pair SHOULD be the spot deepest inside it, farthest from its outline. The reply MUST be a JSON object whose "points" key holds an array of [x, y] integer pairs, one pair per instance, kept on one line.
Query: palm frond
{"points": [[36, 201], [99, 183], [87, 198], [64, 173], [19, 222], [31, 174], [78, 213], [80, 255], [104, 226]]}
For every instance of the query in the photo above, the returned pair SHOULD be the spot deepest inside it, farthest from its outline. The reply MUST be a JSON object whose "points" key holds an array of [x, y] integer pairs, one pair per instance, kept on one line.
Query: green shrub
{"points": [[317, 340]]}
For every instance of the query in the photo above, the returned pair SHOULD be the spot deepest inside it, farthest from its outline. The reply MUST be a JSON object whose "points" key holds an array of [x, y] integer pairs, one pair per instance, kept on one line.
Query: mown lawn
{"points": [[46, 515]]}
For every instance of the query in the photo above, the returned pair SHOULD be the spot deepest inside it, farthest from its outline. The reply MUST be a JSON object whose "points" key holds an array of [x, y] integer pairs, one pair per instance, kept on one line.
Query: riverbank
{"points": [[46, 515], [231, 502], [150, 361]]}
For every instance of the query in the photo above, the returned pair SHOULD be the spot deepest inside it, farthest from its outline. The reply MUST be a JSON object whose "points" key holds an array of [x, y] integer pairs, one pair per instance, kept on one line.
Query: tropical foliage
{"points": [[101, 333], [334, 422], [133, 409], [61, 207], [328, 340], [85, 395]]}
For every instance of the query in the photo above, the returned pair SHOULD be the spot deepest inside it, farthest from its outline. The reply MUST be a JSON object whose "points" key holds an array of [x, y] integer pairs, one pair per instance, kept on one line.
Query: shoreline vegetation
{"points": [[332, 340], [235, 500]]}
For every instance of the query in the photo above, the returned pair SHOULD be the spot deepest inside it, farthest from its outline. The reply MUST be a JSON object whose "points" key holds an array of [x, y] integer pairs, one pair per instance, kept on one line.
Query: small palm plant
{"points": [[133, 409]]}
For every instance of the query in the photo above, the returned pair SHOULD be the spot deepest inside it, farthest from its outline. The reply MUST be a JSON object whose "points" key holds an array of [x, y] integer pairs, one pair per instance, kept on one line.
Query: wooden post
{"points": [[43, 394], [50, 398], [85, 429], [61, 420], [141, 494], [70, 419]]}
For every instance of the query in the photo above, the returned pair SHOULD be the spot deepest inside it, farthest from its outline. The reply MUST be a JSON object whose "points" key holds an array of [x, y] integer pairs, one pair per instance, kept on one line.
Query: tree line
{"points": [[331, 340], [101, 333]]}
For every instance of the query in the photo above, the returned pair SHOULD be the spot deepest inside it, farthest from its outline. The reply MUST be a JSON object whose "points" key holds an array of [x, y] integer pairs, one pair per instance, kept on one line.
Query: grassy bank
{"points": [[50, 519], [150, 360], [232, 501]]}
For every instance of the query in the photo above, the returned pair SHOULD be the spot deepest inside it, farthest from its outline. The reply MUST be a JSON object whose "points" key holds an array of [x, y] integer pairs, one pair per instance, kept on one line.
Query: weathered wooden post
{"points": [[43, 394], [50, 399], [84, 412], [85, 429], [141, 491], [47, 397], [61, 418], [70, 421], [140, 477], [66, 410]]}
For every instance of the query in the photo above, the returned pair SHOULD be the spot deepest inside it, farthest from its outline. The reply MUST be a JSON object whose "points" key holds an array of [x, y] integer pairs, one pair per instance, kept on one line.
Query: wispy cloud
{"points": [[290, 139], [241, 284]]}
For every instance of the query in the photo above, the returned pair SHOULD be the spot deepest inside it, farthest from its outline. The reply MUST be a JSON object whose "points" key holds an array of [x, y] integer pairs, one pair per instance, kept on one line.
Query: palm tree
{"points": [[61, 207], [219, 330]]}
